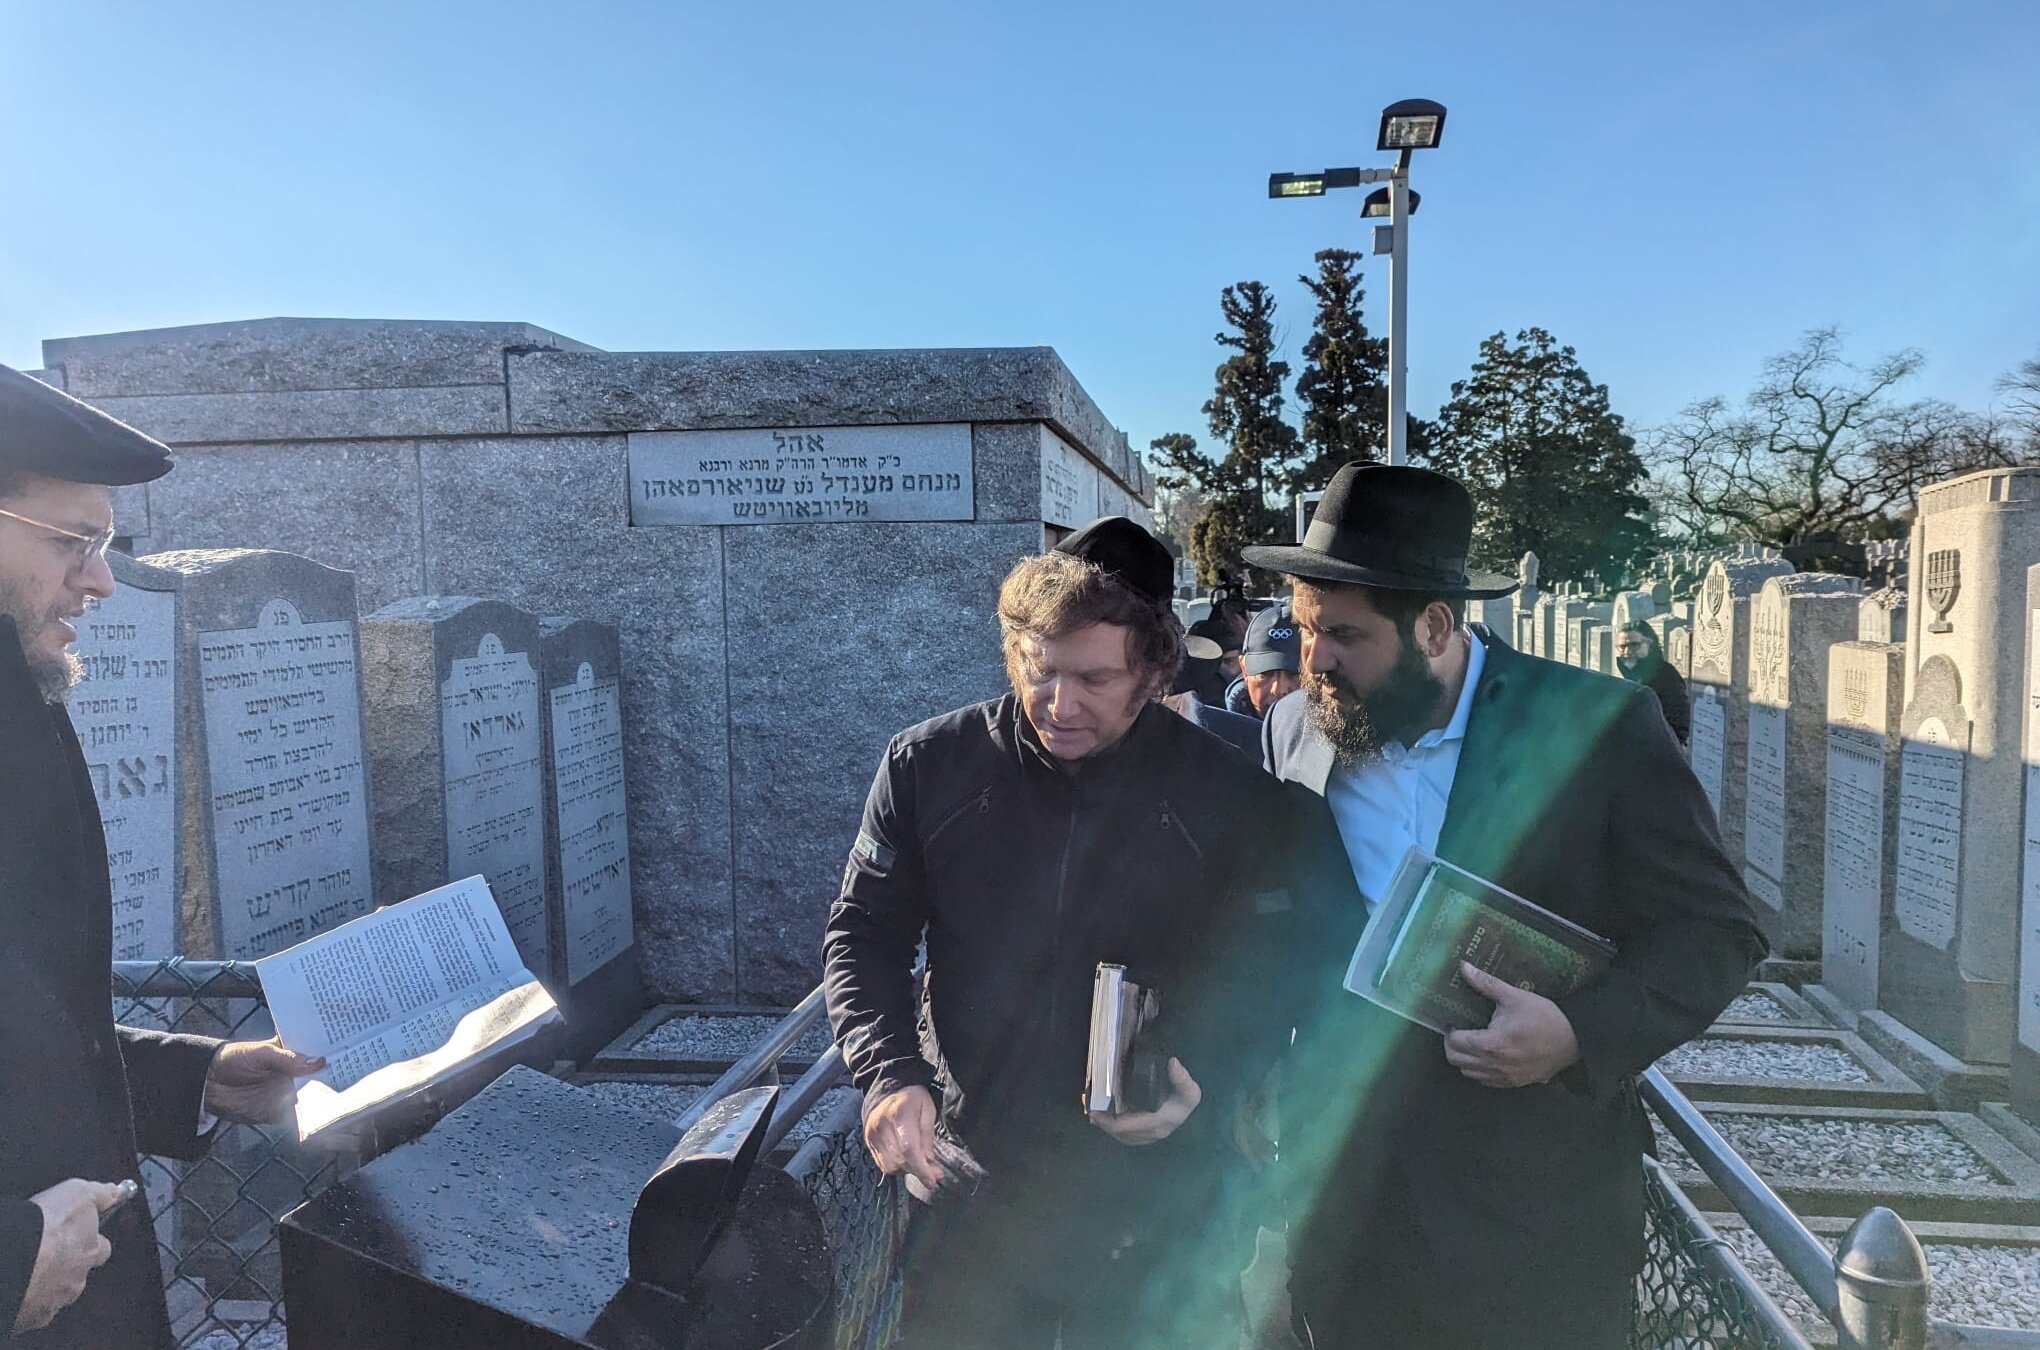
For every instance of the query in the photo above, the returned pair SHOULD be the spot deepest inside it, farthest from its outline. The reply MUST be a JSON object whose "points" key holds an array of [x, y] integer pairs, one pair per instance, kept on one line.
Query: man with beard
{"points": [[1642, 660], [81, 1092], [1484, 1191], [1074, 821]]}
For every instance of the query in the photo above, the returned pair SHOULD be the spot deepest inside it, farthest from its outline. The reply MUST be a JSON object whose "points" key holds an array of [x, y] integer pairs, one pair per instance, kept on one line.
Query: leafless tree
{"points": [[1820, 449]]}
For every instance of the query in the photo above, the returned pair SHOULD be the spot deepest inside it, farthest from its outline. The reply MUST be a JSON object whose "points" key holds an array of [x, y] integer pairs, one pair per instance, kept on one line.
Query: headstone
{"points": [[2025, 1067], [1881, 617], [1865, 700], [1794, 620], [456, 749], [1588, 614], [1600, 649], [1951, 959], [125, 714], [1679, 649], [1526, 575], [1719, 675], [1632, 607], [1498, 614], [1543, 618], [276, 796], [588, 831]]}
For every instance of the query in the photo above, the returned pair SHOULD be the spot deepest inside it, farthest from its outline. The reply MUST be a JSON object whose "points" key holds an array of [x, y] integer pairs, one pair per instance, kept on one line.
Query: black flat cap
{"points": [[46, 431], [1128, 552]]}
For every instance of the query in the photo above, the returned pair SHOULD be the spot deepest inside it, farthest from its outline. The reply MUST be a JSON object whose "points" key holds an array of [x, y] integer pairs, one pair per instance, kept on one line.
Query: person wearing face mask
{"points": [[1484, 1189], [1025, 840], [1641, 660]]}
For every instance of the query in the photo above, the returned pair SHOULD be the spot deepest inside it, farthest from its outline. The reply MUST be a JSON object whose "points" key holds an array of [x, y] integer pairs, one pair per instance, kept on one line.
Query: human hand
{"points": [[252, 1082], [1527, 1040], [72, 1248], [1148, 1127], [900, 1132]]}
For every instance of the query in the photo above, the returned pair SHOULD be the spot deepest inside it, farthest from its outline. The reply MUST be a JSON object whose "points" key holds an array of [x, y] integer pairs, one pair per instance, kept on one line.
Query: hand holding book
{"points": [[1527, 1040], [1475, 962]]}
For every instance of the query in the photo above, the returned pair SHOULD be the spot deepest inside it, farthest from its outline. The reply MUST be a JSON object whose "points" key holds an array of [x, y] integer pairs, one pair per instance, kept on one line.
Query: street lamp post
{"points": [[1409, 125]]}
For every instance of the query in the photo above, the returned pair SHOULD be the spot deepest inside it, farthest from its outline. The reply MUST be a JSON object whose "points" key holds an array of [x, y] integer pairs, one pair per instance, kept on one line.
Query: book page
{"points": [[429, 984]]}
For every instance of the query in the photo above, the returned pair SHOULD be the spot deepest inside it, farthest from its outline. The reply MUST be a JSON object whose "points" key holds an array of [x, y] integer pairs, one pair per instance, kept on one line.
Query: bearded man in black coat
{"points": [[80, 1093]]}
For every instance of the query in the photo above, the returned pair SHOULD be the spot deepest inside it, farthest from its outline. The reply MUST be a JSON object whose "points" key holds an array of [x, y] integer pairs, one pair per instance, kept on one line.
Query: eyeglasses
{"points": [[83, 548]]}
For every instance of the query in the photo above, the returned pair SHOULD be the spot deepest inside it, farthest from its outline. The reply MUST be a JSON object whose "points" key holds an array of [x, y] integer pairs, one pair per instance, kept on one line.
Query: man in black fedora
{"points": [[1025, 840], [81, 1092], [1485, 1191]]}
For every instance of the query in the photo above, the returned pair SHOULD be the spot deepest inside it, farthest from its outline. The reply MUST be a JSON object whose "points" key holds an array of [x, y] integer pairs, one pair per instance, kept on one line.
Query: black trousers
{"points": [[1007, 1271], [1380, 1286]]}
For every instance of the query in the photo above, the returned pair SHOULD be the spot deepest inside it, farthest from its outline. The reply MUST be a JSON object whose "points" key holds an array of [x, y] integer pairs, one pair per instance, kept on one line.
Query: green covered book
{"points": [[1434, 916]]}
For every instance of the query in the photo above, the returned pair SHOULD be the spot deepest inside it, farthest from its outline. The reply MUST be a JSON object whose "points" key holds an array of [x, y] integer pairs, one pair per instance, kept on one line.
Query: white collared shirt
{"points": [[1390, 803]]}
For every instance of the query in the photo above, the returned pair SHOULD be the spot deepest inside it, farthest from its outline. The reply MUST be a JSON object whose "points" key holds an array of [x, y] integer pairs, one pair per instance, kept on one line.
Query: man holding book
{"points": [[1027, 840], [78, 1260], [1482, 1188]]}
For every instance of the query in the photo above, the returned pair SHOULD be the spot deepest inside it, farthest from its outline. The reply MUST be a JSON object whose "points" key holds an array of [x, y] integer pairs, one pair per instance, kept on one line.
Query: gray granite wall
{"points": [[765, 665]]}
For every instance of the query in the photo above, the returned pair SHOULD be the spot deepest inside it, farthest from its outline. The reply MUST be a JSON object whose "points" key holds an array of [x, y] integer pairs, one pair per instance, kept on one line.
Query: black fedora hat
{"points": [[1388, 526], [46, 431]]}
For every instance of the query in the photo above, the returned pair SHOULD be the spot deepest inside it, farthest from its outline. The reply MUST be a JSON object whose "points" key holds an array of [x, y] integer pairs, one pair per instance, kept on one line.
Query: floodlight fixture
{"points": [[1311, 184], [1411, 124], [1377, 202]]}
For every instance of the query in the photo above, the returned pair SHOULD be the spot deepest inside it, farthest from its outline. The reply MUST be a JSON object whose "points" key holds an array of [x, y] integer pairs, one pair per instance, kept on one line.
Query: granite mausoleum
{"points": [[799, 552]]}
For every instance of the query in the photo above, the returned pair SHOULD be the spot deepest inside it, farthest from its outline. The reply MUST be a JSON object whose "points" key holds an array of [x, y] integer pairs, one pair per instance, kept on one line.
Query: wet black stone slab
{"points": [[507, 1227]]}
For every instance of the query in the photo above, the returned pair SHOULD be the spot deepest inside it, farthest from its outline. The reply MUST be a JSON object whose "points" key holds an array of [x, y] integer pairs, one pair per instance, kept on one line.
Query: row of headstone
{"points": [[270, 764], [1874, 763]]}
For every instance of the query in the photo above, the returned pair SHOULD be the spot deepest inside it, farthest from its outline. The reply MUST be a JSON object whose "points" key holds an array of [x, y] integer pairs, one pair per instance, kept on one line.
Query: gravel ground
{"points": [[668, 1100], [1755, 1007], [701, 1037], [1841, 1150], [1729, 1058], [1991, 1286]]}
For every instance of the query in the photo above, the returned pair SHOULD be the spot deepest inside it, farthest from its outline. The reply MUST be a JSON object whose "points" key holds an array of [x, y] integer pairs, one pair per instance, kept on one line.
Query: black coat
{"points": [[1571, 792], [1170, 853], [1662, 678], [76, 1092]]}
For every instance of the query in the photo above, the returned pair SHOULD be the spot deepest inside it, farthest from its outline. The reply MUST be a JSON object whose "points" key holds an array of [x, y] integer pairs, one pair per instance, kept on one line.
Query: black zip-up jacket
{"points": [[1169, 853]]}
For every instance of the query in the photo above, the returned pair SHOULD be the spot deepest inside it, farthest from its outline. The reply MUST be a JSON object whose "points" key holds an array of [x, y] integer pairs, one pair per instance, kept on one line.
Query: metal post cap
{"points": [[1881, 1261]]}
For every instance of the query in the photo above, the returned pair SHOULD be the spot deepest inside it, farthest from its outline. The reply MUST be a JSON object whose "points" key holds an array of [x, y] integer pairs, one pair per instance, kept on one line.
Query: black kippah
{"points": [[1128, 552]]}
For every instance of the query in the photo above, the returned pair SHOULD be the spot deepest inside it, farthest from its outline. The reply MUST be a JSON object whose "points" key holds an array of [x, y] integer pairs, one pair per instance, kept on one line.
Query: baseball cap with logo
{"points": [[1272, 643]]}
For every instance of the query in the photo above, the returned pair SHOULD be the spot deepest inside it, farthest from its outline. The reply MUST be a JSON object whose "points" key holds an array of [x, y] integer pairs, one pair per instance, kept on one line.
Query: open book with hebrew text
{"points": [[400, 1000]]}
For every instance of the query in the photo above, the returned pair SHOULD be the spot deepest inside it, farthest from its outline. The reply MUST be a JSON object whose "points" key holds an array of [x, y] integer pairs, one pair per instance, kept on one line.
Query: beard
{"points": [[54, 674], [1398, 709]]}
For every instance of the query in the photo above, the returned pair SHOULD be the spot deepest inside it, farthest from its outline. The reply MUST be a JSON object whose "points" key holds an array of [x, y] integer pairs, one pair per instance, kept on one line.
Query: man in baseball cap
{"points": [[1269, 663]]}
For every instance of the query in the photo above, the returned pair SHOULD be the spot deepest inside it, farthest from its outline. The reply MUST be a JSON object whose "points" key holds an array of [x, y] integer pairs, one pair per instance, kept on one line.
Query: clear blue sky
{"points": [[1675, 188]]}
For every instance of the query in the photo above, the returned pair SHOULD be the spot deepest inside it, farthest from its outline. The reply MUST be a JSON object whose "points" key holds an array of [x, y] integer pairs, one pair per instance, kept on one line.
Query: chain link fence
{"points": [[865, 1217], [1693, 1293], [215, 1218]]}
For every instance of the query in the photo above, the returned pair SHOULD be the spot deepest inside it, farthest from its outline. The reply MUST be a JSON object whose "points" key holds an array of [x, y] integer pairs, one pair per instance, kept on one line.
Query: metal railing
{"points": [[1873, 1289], [215, 1218]]}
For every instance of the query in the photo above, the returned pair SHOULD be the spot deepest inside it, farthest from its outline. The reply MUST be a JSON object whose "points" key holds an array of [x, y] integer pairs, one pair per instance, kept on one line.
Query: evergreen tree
{"points": [[1245, 414], [1344, 384], [1549, 465]]}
